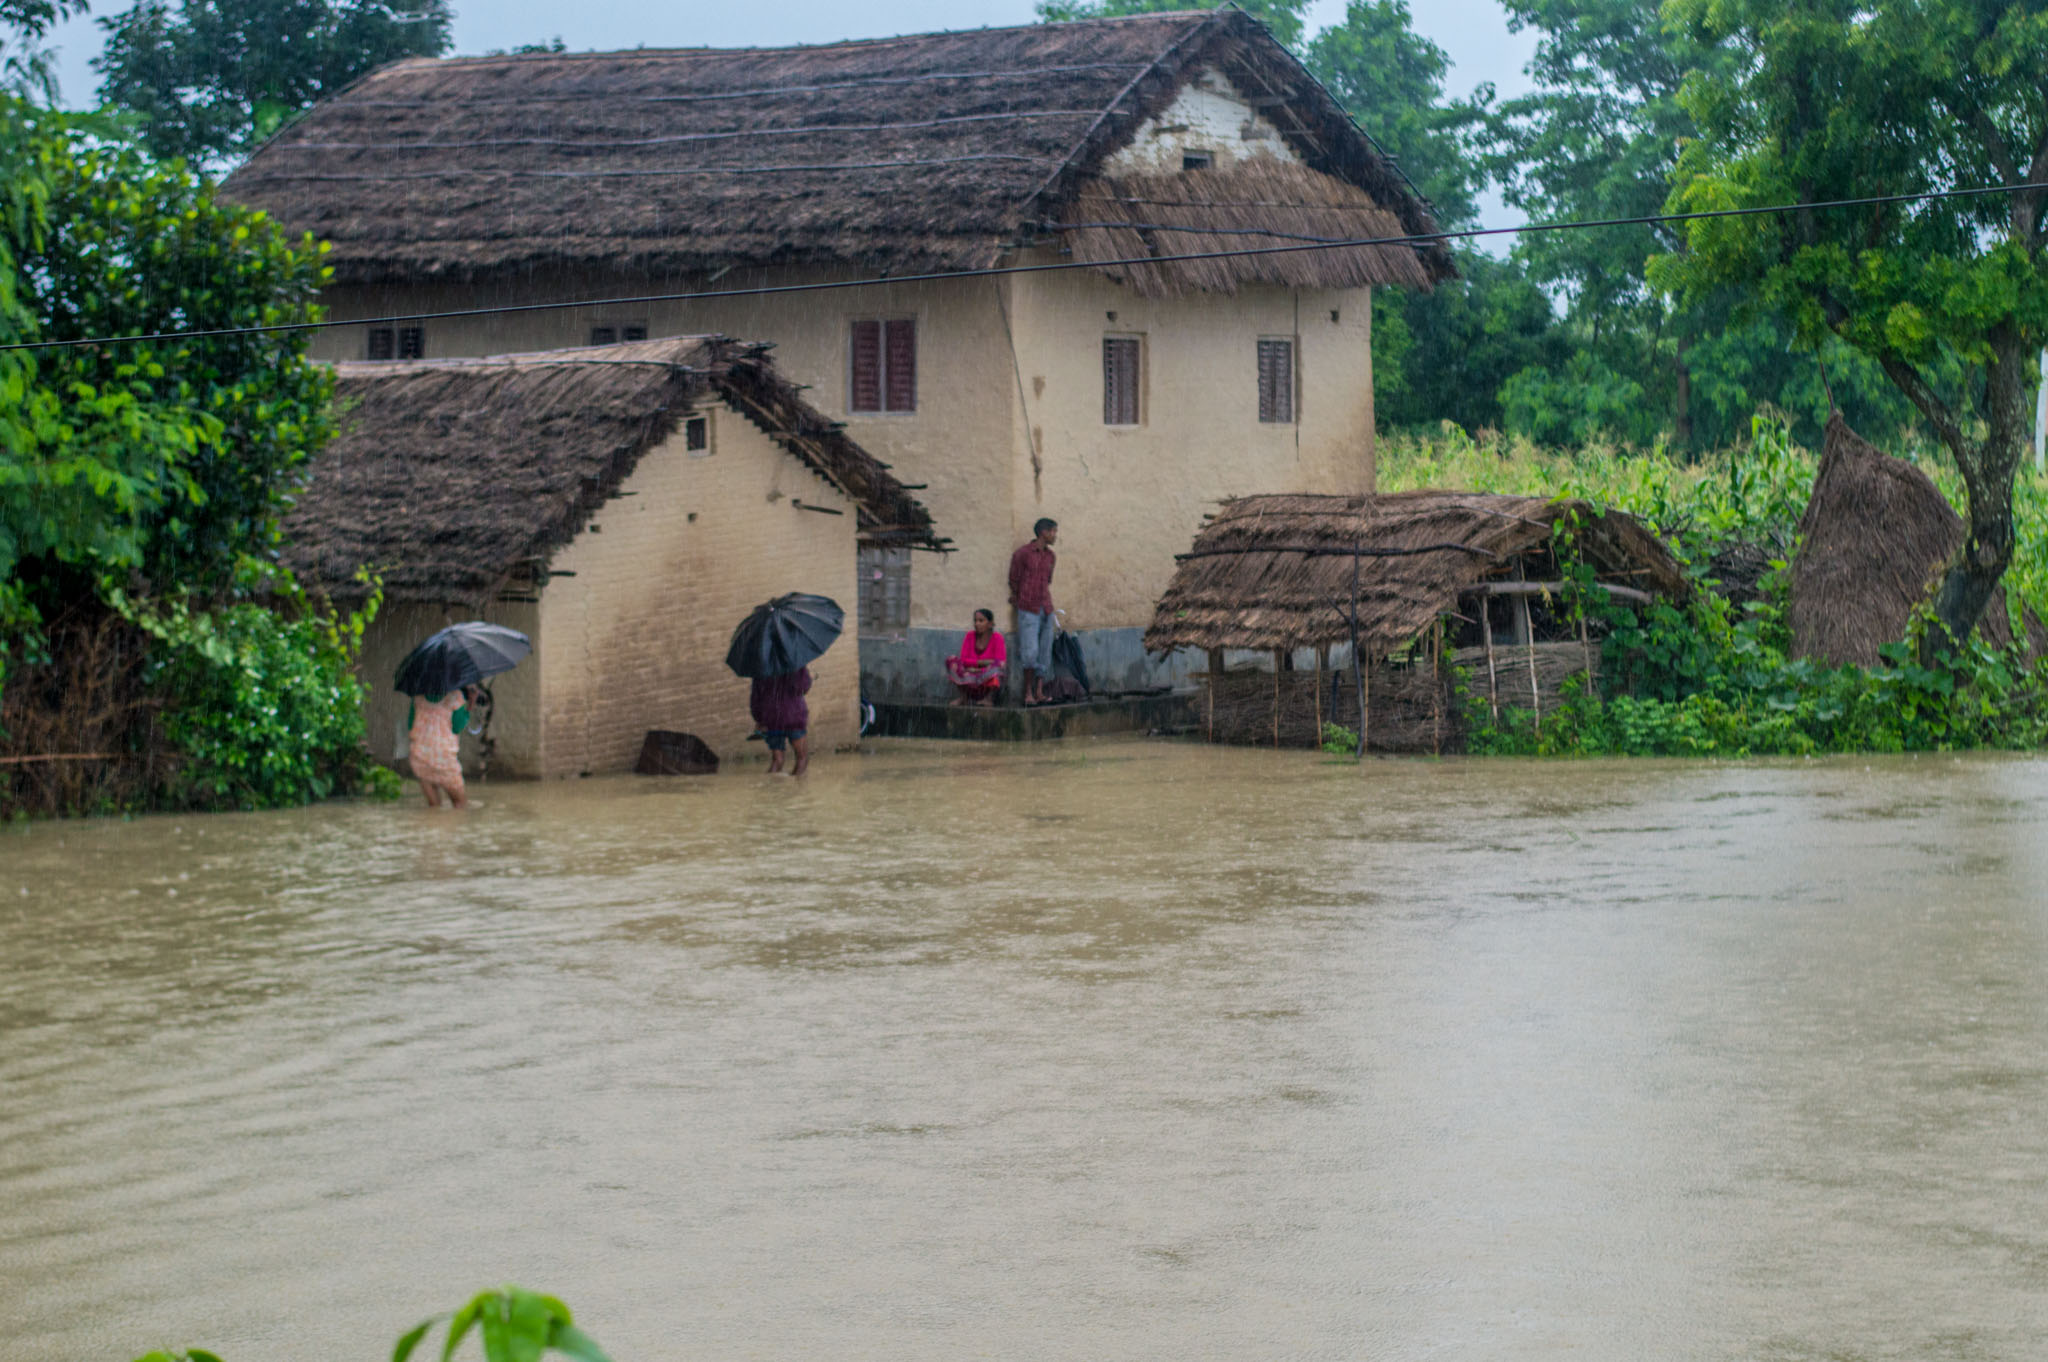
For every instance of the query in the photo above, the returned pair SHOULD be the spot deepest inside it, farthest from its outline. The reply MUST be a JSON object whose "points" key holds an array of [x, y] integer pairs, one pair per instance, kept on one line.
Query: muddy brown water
{"points": [[1107, 1050]]}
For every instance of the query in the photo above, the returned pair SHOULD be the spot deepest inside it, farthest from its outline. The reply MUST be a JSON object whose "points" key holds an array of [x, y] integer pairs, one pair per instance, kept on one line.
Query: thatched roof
{"points": [[940, 151], [1274, 571], [1873, 543], [452, 477]]}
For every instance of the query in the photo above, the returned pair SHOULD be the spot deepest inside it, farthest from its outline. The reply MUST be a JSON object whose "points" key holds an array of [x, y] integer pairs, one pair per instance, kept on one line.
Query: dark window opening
{"points": [[381, 343], [882, 365], [1197, 160], [1276, 381], [697, 434], [632, 333], [1120, 381], [604, 335], [884, 589], [412, 342]]}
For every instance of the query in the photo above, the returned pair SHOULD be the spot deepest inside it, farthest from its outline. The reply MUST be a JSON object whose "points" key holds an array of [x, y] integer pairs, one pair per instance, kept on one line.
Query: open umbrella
{"points": [[785, 634], [461, 655]]}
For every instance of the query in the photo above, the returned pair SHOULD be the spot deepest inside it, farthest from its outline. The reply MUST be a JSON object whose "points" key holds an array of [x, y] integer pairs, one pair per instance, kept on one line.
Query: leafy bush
{"points": [[265, 707], [512, 1324]]}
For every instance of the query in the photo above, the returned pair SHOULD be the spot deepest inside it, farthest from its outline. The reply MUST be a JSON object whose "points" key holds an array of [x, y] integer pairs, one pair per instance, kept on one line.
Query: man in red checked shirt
{"points": [[1031, 593]]}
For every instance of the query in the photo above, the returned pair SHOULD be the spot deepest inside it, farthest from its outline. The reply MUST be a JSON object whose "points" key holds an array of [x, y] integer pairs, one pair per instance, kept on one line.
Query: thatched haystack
{"points": [[453, 477], [939, 151], [1279, 574], [1873, 543]]}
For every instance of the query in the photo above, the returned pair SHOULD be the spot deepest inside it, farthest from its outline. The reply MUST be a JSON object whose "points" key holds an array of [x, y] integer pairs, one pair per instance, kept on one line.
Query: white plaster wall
{"points": [[1209, 114]]}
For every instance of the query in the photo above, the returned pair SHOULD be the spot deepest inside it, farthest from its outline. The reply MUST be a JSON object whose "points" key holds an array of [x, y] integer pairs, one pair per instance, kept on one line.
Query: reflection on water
{"points": [[1112, 1050]]}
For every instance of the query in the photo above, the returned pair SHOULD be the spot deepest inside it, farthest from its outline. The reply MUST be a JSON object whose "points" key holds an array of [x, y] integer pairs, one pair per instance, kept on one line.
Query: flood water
{"points": [[1110, 1050]]}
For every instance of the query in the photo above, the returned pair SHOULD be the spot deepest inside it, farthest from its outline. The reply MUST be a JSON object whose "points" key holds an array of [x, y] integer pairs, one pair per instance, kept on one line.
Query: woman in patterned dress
{"points": [[436, 760]]}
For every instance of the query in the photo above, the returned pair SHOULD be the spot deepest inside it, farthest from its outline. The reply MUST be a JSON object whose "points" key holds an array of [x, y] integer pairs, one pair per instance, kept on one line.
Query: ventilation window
{"points": [[697, 434], [412, 342], [1276, 381], [1120, 378], [604, 335], [1197, 160], [632, 333], [884, 589], [882, 364], [383, 343]]}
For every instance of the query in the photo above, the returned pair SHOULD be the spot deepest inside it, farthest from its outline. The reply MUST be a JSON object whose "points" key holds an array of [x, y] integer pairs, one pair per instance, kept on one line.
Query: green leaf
{"points": [[410, 1339]]}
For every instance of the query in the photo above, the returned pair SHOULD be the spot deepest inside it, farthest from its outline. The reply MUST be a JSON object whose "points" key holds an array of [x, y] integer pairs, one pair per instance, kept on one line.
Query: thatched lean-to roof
{"points": [[451, 477], [1273, 572], [1875, 538], [940, 151]]}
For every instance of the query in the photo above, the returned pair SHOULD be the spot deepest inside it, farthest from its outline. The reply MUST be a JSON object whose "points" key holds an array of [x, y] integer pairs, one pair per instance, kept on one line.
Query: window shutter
{"points": [[412, 342], [1276, 381], [381, 345], [633, 333], [603, 335], [1119, 381], [901, 366], [865, 383]]}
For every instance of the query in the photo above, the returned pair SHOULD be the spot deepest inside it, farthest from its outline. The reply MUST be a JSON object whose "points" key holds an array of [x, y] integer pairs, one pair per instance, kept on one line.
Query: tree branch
{"points": [[1921, 394]]}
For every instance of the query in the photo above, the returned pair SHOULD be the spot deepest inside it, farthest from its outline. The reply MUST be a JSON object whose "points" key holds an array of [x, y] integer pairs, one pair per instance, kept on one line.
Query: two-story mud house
{"points": [[1111, 386]]}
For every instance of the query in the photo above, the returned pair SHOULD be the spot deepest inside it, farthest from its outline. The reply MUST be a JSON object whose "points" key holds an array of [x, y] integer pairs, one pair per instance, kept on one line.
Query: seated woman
{"points": [[977, 673]]}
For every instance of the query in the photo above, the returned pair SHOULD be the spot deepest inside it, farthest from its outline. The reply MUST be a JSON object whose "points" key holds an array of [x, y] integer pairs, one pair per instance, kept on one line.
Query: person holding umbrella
{"points": [[443, 675], [774, 647]]}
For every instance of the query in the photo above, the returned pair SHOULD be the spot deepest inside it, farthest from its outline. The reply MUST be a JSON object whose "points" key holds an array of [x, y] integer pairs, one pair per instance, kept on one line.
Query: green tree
{"points": [[212, 79], [25, 64], [1283, 17], [1835, 99]]}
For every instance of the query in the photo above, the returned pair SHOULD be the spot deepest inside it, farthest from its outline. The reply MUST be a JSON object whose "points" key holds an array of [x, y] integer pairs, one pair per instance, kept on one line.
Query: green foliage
{"points": [[266, 709], [1283, 17], [211, 79], [1339, 741], [515, 1325], [179, 1355]]}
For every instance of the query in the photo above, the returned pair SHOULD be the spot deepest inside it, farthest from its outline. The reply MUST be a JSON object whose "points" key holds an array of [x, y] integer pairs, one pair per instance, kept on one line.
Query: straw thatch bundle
{"points": [[934, 152], [452, 476], [1873, 543], [1276, 571]]}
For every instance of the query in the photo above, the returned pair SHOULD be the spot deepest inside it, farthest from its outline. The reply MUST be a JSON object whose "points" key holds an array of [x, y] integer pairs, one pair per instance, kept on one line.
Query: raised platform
{"points": [[1043, 723]]}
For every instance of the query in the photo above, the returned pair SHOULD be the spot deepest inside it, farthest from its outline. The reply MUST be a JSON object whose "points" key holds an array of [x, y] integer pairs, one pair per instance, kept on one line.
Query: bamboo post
{"points": [[1486, 634], [1586, 645], [1357, 668], [1279, 658], [1436, 688], [1322, 656], [1529, 650], [1215, 680]]}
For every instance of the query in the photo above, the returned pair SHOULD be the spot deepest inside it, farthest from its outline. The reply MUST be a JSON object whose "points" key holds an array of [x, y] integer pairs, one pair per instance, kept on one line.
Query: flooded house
{"points": [[624, 506], [1282, 592], [1115, 385]]}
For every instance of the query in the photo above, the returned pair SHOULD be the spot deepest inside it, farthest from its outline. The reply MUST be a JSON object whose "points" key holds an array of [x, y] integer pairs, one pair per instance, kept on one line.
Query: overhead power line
{"points": [[1419, 239]]}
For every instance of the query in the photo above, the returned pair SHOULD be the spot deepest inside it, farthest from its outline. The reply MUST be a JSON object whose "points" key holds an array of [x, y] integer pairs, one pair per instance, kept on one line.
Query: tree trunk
{"points": [[1988, 468]]}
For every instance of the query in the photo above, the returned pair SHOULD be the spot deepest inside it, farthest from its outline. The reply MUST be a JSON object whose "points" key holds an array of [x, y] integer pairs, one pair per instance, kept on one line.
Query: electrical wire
{"points": [[1418, 240]]}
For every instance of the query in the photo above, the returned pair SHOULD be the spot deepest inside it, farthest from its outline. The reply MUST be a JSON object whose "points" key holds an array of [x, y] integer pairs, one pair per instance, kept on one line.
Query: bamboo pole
{"points": [[1358, 669], [1492, 677], [1529, 651], [1215, 680], [1278, 658], [1322, 658], [1436, 688]]}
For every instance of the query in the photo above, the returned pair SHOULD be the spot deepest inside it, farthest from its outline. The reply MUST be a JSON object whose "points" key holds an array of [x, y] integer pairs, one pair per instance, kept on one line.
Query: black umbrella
{"points": [[785, 634], [461, 655]]}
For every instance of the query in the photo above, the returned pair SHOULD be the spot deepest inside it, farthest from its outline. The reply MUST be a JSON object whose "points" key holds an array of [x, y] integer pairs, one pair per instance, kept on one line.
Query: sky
{"points": [[1473, 32]]}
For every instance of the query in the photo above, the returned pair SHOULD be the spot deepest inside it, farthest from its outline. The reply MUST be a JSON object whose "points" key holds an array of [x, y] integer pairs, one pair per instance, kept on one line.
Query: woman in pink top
{"points": [[977, 673]]}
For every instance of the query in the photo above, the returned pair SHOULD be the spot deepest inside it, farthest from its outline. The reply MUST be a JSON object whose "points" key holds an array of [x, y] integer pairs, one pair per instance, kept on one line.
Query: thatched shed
{"points": [[625, 506], [938, 151], [1875, 538], [1437, 579]]}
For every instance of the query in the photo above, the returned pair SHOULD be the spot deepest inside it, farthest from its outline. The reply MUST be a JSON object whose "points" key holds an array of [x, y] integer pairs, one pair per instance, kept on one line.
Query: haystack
{"points": [[1874, 541]]}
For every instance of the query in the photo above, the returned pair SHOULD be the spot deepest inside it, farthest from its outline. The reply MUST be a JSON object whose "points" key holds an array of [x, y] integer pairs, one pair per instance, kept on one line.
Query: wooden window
{"points": [[1120, 376], [383, 343], [882, 364], [604, 335], [1276, 381], [697, 435], [884, 589], [412, 342]]}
